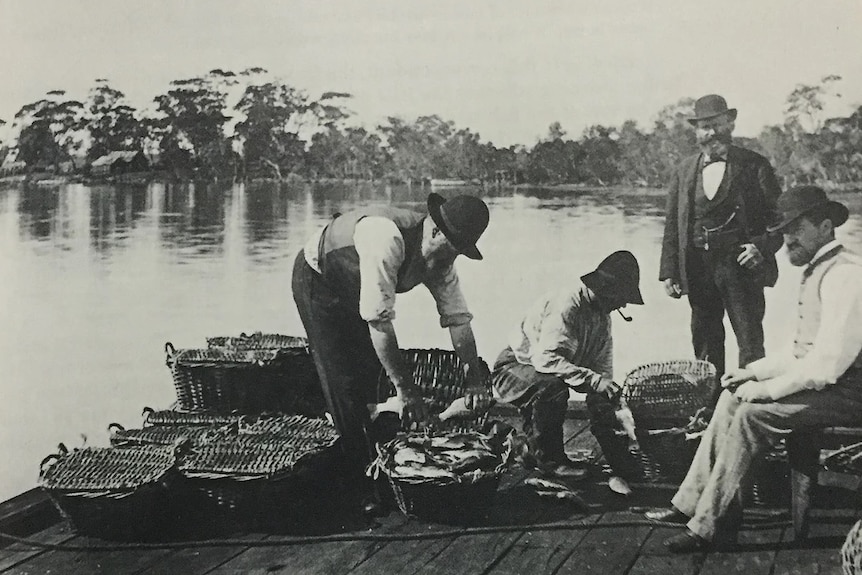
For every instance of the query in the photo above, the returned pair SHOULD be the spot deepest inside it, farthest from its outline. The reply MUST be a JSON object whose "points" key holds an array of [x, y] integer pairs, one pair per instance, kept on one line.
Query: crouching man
{"points": [[819, 383], [564, 341]]}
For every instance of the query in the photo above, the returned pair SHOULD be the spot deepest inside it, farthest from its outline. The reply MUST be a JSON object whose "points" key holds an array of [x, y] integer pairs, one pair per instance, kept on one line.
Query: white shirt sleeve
{"points": [[839, 338], [451, 305], [380, 247]]}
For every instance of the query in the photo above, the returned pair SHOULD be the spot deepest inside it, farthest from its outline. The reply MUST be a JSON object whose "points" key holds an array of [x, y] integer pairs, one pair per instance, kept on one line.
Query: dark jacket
{"points": [[751, 181]]}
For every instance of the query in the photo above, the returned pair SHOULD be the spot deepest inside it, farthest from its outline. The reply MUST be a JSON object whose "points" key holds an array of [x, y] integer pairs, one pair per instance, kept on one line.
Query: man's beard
{"points": [[715, 143], [798, 255]]}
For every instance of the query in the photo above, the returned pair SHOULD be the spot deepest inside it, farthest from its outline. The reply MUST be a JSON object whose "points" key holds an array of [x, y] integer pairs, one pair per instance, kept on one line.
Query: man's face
{"points": [[714, 134], [803, 239]]}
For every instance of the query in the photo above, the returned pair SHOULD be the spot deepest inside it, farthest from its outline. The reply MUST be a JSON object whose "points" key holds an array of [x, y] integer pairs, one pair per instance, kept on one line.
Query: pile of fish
{"points": [[442, 458]]}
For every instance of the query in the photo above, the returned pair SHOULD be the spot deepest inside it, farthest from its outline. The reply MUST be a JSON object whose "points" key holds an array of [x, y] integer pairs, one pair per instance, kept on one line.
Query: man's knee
{"points": [[552, 390]]}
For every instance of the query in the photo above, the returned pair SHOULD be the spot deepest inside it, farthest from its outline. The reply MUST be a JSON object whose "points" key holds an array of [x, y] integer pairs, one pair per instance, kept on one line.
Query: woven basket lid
{"points": [[296, 426], [250, 456], [106, 468], [259, 340], [169, 417]]}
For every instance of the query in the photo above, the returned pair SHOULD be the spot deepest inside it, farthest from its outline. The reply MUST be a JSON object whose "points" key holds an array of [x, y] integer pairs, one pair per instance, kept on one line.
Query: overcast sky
{"points": [[506, 69]]}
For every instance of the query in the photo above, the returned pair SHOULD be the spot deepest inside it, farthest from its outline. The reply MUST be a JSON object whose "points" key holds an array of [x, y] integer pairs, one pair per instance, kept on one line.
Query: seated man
{"points": [[818, 384], [564, 341]]}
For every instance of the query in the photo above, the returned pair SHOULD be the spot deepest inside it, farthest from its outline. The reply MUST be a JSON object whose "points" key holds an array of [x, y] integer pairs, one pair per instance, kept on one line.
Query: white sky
{"points": [[504, 68]]}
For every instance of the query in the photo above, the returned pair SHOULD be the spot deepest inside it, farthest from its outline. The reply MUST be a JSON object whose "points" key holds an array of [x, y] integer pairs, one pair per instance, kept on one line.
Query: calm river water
{"points": [[95, 280]]}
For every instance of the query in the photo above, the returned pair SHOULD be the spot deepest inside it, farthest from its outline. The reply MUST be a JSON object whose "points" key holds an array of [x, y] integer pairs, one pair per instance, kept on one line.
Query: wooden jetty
{"points": [[523, 534]]}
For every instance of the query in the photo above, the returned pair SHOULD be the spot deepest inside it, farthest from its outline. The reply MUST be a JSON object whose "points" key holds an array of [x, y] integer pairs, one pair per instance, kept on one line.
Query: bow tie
{"points": [[707, 160]]}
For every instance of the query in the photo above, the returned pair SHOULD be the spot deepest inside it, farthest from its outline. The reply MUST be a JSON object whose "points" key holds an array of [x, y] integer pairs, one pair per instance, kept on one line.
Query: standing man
{"points": [[819, 383], [716, 248], [344, 286], [564, 341]]}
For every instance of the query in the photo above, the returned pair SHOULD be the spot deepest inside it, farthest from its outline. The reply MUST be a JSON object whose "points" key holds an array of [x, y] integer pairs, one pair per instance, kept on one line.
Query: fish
{"points": [[409, 455]]}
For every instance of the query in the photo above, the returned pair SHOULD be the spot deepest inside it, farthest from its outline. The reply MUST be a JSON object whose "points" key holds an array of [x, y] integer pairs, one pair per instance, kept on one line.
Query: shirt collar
{"points": [[823, 249], [823, 253]]}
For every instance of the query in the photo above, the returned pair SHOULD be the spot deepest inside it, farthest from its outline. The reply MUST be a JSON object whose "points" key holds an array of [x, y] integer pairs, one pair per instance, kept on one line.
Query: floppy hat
{"points": [[711, 106], [800, 200], [462, 220], [618, 274]]}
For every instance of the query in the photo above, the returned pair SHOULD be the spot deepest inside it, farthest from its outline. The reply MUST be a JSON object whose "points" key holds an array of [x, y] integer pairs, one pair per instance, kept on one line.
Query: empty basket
{"points": [[669, 390]]}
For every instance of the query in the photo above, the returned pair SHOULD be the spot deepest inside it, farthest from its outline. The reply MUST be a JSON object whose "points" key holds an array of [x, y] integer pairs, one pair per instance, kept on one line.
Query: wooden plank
{"points": [[324, 558], [607, 550], [818, 554], [754, 555], [655, 559], [18, 553], [199, 560], [90, 562], [26, 513]]}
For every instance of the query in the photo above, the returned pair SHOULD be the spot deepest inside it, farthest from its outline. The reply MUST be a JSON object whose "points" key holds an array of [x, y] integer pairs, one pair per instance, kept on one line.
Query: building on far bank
{"points": [[119, 162]]}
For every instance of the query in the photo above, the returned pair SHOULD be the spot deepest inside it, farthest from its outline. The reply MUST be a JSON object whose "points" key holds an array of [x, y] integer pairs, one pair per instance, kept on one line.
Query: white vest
{"points": [[810, 303]]}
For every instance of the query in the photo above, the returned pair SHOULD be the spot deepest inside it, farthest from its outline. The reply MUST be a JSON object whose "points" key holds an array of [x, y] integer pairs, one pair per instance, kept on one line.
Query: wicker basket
{"points": [[664, 454], [851, 551], [228, 476], [455, 492], [170, 417], [669, 391], [225, 380], [113, 493], [439, 375]]}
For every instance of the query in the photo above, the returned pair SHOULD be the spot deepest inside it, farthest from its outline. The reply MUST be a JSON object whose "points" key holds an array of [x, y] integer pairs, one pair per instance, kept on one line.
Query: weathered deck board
{"points": [[654, 559], [18, 553], [819, 554], [90, 562], [607, 550], [198, 560], [754, 555]]}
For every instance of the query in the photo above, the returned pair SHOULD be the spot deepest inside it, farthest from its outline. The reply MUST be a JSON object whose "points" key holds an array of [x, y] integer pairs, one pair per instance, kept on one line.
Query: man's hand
{"points": [[733, 379], [750, 257], [672, 288], [478, 376], [752, 391], [626, 419], [413, 408]]}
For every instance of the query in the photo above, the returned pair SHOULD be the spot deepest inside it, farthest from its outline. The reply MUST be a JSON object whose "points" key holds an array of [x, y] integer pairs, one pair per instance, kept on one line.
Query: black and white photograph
{"points": [[430, 287]]}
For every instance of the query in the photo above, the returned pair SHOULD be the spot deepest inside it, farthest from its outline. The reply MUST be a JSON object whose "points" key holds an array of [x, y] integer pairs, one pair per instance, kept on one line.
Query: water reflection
{"points": [[96, 279]]}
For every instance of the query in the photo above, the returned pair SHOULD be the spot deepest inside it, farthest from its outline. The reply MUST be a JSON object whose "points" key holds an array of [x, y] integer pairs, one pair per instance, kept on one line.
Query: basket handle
{"points": [[170, 352], [48, 461], [147, 412], [114, 427], [61, 447]]}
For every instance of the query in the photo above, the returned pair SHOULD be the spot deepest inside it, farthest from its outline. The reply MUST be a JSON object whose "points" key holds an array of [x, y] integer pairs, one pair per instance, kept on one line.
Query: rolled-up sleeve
{"points": [[380, 247], [451, 305]]}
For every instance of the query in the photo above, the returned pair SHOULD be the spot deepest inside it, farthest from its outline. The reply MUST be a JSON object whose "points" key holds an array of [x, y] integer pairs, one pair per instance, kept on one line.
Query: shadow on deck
{"points": [[521, 534]]}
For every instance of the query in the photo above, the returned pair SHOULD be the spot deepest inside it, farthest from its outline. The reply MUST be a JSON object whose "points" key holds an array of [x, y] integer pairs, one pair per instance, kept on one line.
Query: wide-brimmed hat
{"points": [[462, 220], [798, 201], [710, 106], [618, 274]]}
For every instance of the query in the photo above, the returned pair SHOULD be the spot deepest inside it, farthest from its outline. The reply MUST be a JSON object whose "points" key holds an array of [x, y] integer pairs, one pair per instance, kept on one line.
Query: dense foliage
{"points": [[251, 125]]}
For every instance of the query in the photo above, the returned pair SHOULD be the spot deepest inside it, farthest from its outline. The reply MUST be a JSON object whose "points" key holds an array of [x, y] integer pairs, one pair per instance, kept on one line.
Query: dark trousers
{"points": [[542, 398], [346, 362], [717, 284]]}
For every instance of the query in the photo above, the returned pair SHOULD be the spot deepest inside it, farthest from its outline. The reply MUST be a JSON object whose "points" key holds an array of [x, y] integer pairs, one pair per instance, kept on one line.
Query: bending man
{"points": [[344, 285]]}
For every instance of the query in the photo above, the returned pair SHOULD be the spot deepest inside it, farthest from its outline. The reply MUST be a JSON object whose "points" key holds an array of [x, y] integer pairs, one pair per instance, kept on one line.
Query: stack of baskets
{"points": [[247, 374], [663, 396], [448, 473], [243, 447]]}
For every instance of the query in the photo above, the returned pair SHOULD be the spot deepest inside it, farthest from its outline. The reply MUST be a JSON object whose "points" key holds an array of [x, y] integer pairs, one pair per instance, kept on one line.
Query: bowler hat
{"points": [[618, 274], [800, 200], [710, 106], [461, 219]]}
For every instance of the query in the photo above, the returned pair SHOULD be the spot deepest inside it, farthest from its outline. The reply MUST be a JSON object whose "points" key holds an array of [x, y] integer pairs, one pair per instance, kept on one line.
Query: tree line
{"points": [[252, 125]]}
